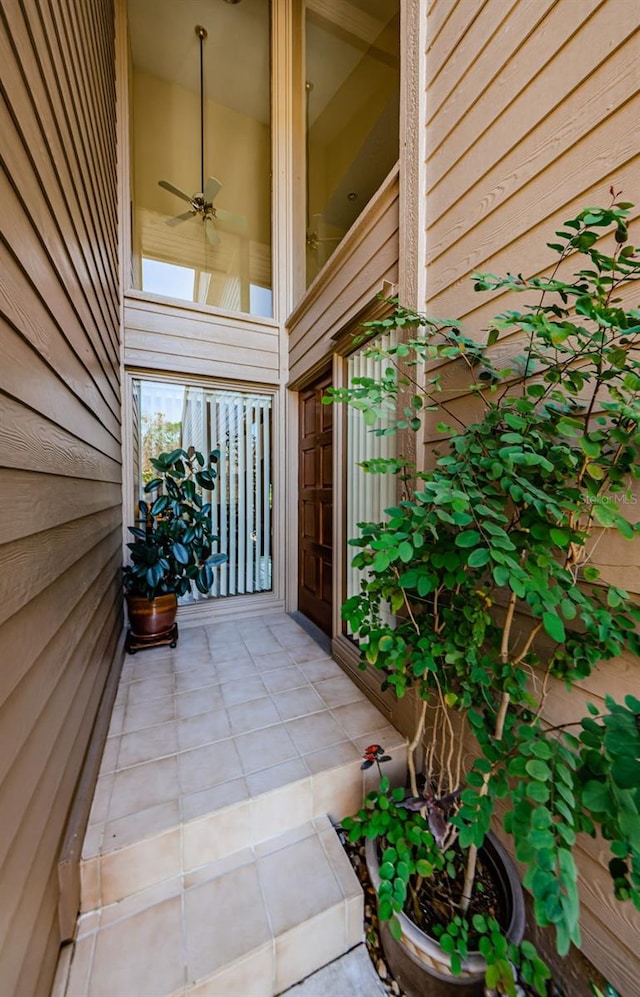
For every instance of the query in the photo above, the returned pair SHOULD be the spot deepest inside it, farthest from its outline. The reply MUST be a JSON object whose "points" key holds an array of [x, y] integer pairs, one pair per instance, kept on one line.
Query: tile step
{"points": [[250, 924], [128, 859]]}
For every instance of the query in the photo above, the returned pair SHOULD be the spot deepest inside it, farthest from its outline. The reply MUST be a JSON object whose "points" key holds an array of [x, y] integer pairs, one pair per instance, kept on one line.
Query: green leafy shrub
{"points": [[488, 568]]}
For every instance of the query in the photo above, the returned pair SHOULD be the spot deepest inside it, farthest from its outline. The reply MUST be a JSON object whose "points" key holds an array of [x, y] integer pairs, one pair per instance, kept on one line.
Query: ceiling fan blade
{"points": [[229, 218], [211, 190], [210, 229], [175, 190], [181, 218]]}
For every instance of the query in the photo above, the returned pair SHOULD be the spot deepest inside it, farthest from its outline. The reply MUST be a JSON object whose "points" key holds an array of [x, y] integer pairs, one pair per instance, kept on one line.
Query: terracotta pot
{"points": [[416, 960], [152, 617]]}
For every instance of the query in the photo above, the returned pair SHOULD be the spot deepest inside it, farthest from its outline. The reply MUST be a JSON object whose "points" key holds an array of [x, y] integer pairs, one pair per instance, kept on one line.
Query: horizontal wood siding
{"points": [[166, 336], [60, 458], [366, 260], [532, 112]]}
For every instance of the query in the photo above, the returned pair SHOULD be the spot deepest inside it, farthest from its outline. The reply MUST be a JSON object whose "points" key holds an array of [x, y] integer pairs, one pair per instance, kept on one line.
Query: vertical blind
{"points": [[238, 424], [368, 495]]}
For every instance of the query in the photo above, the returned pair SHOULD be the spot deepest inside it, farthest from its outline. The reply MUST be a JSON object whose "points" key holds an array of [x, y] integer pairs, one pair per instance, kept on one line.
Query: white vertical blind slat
{"points": [[266, 581]]}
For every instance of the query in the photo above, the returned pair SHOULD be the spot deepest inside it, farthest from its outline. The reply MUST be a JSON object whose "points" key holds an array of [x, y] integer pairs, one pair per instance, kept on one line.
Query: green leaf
{"points": [[469, 538], [554, 627], [478, 558], [538, 769], [181, 553]]}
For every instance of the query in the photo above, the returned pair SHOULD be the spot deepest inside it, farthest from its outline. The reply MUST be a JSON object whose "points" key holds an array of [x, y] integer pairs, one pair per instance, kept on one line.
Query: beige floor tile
{"points": [[144, 786], [149, 861], [88, 924], [193, 640], [219, 867], [202, 768], [145, 745], [246, 717], [117, 721], [142, 668], [264, 748], [343, 753], [354, 919], [216, 835], [90, 884], [342, 868], [195, 678], [225, 920], [101, 797], [277, 775], [308, 947], [298, 702], [386, 735], [243, 748], [296, 638], [140, 956], [281, 679], [122, 695], [205, 728], [79, 976], [192, 704], [235, 654], [158, 687], [358, 718], [141, 715], [319, 671], [150, 896], [110, 755], [298, 883], [278, 811], [233, 671], [338, 792], [249, 977], [142, 824], [287, 838], [316, 731], [225, 632], [243, 690], [339, 691], [264, 644], [92, 844], [207, 801], [267, 662]]}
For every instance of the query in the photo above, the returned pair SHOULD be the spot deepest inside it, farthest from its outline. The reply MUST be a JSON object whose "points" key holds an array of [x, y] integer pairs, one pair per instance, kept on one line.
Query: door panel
{"points": [[315, 478]]}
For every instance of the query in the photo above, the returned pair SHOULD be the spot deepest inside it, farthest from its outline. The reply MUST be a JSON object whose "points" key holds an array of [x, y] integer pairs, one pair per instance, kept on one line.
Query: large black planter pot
{"points": [[418, 963]]}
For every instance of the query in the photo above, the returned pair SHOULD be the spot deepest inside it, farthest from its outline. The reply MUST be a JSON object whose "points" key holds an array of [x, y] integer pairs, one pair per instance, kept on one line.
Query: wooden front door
{"points": [[315, 506]]}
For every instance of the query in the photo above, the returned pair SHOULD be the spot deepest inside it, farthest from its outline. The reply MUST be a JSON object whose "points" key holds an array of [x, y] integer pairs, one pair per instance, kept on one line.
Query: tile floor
{"points": [[223, 760]]}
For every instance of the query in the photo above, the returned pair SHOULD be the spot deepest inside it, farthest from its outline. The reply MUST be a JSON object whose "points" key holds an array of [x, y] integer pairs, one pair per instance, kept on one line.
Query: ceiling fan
{"points": [[202, 202]]}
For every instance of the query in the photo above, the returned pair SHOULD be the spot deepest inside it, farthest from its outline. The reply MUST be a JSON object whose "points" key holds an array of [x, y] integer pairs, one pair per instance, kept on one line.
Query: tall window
{"points": [[352, 92], [203, 129], [368, 494], [238, 424]]}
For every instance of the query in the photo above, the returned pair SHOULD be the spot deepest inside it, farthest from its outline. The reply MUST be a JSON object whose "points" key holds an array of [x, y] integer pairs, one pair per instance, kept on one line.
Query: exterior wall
{"points": [[531, 108], [188, 339], [60, 532], [364, 264]]}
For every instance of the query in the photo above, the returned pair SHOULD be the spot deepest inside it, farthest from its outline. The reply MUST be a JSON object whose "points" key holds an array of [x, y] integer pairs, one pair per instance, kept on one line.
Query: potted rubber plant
{"points": [[172, 547], [480, 592]]}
